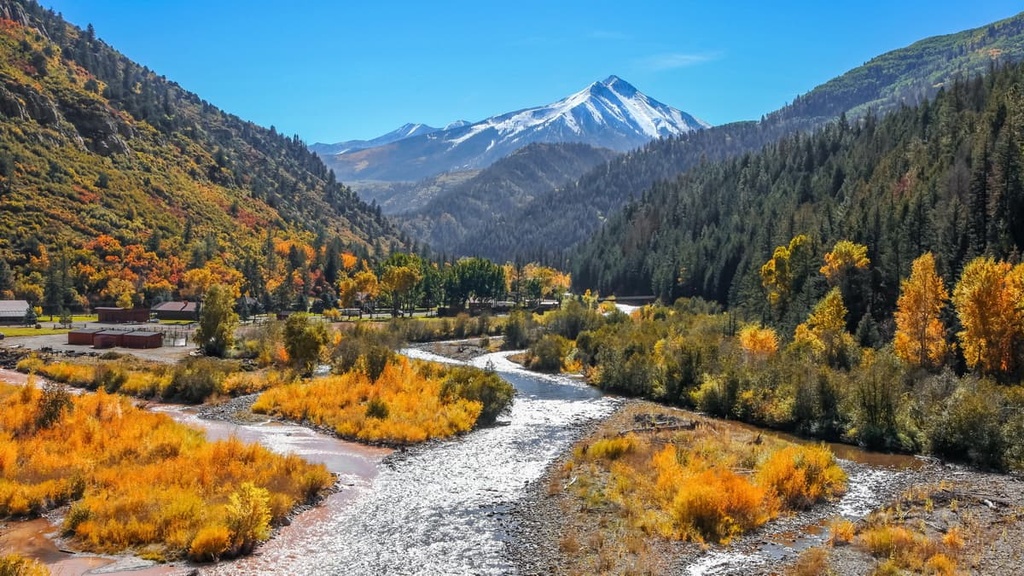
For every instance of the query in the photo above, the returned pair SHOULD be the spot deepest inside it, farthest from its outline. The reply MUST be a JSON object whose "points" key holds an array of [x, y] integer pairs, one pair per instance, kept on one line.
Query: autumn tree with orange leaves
{"points": [[920, 336]]}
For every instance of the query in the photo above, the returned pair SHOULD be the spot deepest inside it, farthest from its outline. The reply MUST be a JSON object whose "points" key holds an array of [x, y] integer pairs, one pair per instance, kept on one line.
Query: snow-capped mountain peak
{"points": [[611, 113]]}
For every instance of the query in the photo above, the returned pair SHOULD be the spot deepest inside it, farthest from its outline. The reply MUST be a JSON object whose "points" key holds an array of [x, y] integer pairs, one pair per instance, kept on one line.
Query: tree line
{"points": [[942, 177]]}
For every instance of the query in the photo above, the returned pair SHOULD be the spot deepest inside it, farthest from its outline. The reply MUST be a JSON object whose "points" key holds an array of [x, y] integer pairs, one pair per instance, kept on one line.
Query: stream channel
{"points": [[442, 507]]}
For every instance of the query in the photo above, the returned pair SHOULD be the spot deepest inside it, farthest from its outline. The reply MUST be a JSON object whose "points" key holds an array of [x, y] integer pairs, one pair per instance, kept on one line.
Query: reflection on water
{"points": [[437, 508]]}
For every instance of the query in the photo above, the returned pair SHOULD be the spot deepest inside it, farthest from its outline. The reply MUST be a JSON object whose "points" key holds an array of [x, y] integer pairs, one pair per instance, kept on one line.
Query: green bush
{"points": [[548, 353], [520, 330], [197, 379], [970, 425], [110, 378], [483, 386], [377, 408]]}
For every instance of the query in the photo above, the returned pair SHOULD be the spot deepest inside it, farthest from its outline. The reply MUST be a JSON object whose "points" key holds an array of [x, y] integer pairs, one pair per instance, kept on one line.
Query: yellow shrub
{"points": [[941, 565], [802, 475], [611, 448], [16, 565], [210, 543], [412, 393], [239, 383], [953, 539], [29, 364], [140, 480], [841, 531]]}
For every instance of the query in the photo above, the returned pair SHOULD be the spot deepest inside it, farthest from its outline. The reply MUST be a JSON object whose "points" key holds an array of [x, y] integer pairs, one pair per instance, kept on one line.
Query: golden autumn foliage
{"points": [[777, 272], [16, 565], [845, 256], [824, 332], [911, 546], [137, 479], [403, 405], [920, 336], [708, 483], [801, 476], [988, 302], [759, 343]]}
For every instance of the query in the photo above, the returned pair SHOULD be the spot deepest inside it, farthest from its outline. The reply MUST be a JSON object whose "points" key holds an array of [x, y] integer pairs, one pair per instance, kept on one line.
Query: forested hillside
{"points": [[549, 227], [501, 188], [944, 177], [95, 148]]}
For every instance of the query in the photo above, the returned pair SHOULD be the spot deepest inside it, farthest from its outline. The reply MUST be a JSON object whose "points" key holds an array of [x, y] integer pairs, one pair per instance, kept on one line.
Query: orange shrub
{"points": [[411, 392], [689, 484], [137, 479], [210, 543], [801, 476]]}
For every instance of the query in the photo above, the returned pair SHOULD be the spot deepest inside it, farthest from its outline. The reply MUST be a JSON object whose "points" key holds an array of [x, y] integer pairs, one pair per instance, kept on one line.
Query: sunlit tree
{"points": [[824, 332], [758, 343], [920, 336], [779, 275], [988, 301], [845, 257]]}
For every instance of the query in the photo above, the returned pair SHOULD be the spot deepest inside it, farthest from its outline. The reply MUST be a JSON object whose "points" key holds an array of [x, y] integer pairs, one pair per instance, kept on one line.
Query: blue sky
{"points": [[339, 70]]}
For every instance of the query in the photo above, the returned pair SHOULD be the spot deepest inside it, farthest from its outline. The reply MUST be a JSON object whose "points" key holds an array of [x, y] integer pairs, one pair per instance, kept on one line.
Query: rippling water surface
{"points": [[436, 509]]}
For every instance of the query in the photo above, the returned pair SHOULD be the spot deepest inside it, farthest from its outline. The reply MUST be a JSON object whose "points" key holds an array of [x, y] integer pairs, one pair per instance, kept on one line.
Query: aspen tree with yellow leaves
{"points": [[988, 302], [920, 336]]}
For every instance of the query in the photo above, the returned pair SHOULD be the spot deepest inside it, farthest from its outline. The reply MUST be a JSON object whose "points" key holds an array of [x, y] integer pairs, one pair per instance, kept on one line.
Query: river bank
{"points": [[550, 528]]}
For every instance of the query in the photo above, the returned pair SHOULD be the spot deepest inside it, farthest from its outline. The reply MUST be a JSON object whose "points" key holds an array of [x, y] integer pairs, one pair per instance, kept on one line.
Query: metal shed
{"points": [[114, 315], [82, 336], [13, 311], [142, 339], [107, 338]]}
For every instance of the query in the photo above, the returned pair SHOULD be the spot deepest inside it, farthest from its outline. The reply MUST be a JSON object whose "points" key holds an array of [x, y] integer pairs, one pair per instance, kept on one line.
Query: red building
{"points": [[114, 315]]}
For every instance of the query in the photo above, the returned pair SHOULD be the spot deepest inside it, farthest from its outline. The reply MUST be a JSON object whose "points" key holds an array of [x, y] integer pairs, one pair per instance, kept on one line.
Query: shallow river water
{"points": [[438, 508]]}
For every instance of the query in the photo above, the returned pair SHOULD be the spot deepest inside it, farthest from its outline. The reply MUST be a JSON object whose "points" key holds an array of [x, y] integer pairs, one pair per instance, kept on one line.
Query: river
{"points": [[439, 508]]}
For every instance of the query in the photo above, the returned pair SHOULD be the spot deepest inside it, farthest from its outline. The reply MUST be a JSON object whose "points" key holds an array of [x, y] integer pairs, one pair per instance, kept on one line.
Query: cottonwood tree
{"points": [[988, 302], [846, 267], [304, 341], [824, 332], [783, 274], [920, 336], [217, 321]]}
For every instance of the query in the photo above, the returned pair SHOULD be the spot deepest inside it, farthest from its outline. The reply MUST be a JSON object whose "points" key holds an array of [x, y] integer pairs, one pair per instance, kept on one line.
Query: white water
{"points": [[437, 508]]}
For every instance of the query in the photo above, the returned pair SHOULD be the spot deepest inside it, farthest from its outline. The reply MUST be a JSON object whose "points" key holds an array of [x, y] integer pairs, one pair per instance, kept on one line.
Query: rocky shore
{"points": [[990, 506]]}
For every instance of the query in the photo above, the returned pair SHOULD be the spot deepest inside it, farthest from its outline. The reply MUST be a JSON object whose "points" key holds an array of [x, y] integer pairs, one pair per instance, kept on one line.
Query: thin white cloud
{"points": [[608, 35], [673, 60]]}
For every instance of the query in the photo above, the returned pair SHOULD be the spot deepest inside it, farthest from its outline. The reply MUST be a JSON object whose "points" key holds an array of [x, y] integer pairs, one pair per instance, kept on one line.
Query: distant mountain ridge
{"points": [[405, 131], [508, 184], [609, 114]]}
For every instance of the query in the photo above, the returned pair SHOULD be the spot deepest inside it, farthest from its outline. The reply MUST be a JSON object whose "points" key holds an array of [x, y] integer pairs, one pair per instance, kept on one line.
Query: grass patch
{"points": [[408, 402], [45, 330], [139, 481]]}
